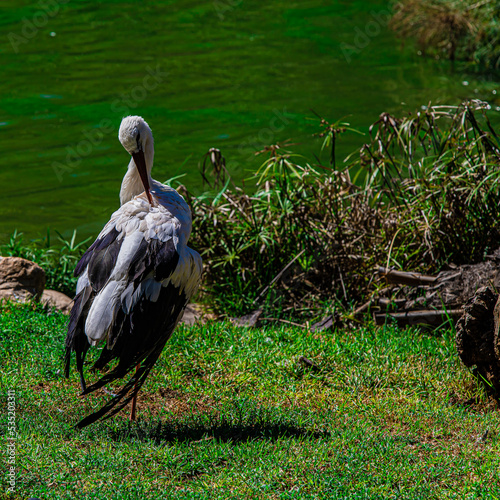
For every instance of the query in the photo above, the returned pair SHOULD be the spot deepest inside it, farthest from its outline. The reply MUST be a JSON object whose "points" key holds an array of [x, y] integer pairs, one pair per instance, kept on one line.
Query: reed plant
{"points": [[422, 193]]}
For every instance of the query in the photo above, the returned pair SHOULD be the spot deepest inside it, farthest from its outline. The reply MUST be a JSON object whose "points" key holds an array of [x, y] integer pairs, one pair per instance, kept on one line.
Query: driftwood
{"points": [[465, 294], [413, 298], [477, 339], [403, 278]]}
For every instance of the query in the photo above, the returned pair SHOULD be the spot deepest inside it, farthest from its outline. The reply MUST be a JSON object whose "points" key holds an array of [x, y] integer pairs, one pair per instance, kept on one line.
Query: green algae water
{"points": [[231, 74]]}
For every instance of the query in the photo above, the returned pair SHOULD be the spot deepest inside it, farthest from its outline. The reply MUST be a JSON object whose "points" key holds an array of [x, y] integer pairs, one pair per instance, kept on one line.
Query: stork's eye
{"points": [[138, 139]]}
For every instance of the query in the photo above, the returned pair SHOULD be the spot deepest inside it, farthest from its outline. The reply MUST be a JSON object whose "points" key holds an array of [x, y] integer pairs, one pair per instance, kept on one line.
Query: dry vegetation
{"points": [[457, 29], [423, 192]]}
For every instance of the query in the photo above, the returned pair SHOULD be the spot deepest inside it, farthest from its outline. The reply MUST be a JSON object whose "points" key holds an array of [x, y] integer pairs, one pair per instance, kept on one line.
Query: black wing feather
{"points": [[76, 340], [102, 263], [166, 259], [98, 244], [113, 406], [144, 333], [100, 258], [140, 261], [136, 338]]}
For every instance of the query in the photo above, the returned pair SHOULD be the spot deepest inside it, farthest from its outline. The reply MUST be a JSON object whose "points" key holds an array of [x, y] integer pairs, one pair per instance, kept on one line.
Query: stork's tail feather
{"points": [[106, 379], [76, 340], [124, 367], [67, 362], [105, 357], [114, 405], [70, 336], [80, 357]]}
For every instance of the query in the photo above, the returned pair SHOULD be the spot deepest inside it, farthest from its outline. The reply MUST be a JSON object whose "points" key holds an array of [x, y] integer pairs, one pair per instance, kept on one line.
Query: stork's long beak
{"points": [[140, 163]]}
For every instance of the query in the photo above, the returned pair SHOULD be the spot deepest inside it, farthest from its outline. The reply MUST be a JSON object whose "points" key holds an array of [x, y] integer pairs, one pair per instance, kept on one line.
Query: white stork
{"points": [[135, 280]]}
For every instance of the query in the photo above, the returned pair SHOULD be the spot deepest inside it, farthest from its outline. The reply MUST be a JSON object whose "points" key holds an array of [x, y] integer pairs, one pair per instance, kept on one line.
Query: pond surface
{"points": [[231, 74]]}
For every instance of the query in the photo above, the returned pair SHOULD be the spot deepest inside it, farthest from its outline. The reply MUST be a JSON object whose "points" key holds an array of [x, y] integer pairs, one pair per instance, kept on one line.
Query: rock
{"points": [[308, 364], [191, 315], [327, 323], [57, 300], [249, 320], [20, 279], [197, 313]]}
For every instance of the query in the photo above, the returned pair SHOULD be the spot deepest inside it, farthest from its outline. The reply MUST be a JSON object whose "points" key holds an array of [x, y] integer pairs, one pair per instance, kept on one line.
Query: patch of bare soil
{"points": [[166, 399]]}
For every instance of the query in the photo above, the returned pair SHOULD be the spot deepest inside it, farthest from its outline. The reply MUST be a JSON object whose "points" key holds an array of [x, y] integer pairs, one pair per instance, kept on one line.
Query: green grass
{"points": [[229, 413]]}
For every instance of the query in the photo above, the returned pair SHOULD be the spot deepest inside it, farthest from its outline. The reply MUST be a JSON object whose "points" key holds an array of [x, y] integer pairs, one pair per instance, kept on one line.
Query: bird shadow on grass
{"points": [[237, 426]]}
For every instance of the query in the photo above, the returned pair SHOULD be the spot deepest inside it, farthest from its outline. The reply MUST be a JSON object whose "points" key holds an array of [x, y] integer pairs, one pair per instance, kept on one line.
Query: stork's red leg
{"points": [[134, 399]]}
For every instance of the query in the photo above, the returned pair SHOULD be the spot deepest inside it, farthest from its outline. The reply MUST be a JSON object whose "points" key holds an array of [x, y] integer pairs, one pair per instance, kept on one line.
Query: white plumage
{"points": [[137, 277]]}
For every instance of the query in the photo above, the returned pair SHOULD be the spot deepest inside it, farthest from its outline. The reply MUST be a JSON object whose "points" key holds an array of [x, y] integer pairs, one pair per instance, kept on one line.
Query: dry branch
{"points": [[422, 317], [405, 278]]}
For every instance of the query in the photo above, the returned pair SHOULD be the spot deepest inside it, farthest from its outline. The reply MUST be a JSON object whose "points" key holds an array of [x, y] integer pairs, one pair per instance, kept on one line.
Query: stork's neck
{"points": [[132, 184]]}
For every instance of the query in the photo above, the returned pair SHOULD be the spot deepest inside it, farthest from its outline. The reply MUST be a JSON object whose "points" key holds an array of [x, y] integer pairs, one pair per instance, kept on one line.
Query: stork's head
{"points": [[136, 137]]}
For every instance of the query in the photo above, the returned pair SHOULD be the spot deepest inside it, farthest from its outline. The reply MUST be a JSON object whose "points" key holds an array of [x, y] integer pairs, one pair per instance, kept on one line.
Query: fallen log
{"points": [[477, 339], [415, 298], [420, 317]]}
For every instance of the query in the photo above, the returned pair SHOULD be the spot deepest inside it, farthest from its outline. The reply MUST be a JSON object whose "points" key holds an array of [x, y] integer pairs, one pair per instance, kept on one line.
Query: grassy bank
{"points": [[230, 413], [304, 237], [422, 193]]}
